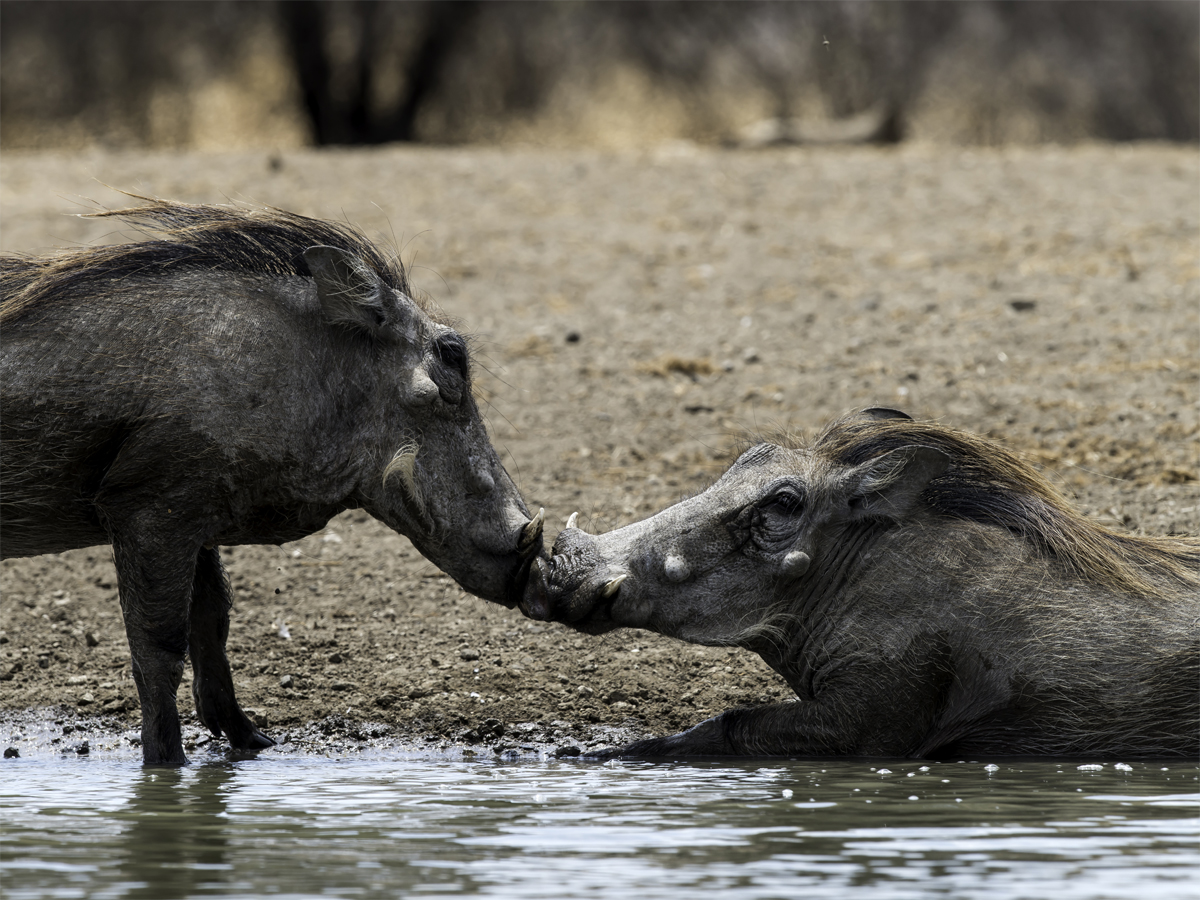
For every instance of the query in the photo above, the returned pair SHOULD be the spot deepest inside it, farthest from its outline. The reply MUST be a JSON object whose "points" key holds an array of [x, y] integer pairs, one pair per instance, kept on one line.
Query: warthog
{"points": [[923, 591], [240, 378]]}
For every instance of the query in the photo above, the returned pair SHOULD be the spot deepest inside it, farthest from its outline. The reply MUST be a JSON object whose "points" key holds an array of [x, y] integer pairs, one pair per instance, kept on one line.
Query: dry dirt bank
{"points": [[636, 318]]}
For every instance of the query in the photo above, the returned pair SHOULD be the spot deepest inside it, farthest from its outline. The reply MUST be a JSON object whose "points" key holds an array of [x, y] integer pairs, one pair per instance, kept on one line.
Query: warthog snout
{"points": [[576, 578]]}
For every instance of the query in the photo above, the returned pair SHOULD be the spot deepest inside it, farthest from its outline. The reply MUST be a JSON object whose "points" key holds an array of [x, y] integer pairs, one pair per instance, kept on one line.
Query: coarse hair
{"points": [[987, 483], [186, 237]]}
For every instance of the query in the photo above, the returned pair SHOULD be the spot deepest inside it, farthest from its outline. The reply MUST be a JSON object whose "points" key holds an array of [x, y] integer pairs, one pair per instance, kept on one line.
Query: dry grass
{"points": [[668, 363]]}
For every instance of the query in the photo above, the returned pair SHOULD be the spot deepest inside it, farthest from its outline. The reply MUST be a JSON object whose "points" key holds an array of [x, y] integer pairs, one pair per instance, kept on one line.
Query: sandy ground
{"points": [[636, 318]]}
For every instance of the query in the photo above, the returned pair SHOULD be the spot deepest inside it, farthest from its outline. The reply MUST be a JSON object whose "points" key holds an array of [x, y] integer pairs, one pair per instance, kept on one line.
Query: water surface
{"points": [[386, 827]]}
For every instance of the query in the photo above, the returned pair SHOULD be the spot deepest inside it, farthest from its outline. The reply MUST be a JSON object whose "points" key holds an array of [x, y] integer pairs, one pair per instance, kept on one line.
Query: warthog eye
{"points": [[452, 352], [451, 375], [786, 502], [776, 518]]}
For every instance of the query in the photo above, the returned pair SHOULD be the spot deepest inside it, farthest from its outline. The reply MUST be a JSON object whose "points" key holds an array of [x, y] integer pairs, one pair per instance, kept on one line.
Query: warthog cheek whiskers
{"points": [[404, 465]]}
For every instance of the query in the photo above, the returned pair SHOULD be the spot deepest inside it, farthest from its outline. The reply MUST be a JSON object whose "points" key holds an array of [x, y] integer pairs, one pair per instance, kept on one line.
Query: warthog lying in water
{"points": [[924, 592], [241, 379]]}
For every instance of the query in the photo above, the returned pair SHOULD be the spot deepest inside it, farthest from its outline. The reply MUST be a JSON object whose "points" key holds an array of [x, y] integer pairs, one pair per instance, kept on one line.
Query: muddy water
{"points": [[388, 827]]}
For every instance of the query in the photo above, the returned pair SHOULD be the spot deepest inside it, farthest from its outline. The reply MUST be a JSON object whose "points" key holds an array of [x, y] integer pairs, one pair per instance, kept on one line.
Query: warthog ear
{"points": [[881, 413], [349, 291], [889, 485]]}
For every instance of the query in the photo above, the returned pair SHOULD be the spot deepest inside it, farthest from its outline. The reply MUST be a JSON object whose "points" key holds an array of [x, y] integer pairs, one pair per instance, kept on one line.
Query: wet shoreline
{"points": [[48, 732]]}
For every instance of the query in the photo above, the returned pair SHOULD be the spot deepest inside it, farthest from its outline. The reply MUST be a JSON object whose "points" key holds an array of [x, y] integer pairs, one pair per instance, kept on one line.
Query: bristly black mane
{"points": [[247, 240], [987, 483]]}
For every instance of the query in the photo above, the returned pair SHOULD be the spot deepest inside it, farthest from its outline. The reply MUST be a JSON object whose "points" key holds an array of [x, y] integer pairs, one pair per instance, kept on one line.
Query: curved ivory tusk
{"points": [[611, 587], [532, 530], [571, 520]]}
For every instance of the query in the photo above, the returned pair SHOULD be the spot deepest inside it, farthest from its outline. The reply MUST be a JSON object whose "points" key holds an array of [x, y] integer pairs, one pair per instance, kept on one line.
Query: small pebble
{"points": [[11, 753], [91, 639], [287, 681], [568, 750]]}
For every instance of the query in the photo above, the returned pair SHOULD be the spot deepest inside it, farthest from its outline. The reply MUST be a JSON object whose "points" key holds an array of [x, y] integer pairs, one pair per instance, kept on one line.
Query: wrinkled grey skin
{"points": [[172, 415], [903, 633]]}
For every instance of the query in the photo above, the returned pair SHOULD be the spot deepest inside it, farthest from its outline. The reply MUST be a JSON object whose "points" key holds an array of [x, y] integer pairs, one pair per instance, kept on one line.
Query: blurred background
{"points": [[293, 73]]}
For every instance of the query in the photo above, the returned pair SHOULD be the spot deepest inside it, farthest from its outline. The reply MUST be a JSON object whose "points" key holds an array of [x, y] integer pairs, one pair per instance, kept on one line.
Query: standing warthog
{"points": [[241, 379], [924, 593]]}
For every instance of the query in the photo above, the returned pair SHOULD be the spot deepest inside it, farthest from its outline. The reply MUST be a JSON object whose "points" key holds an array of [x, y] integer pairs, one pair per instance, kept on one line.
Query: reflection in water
{"points": [[304, 827], [174, 836]]}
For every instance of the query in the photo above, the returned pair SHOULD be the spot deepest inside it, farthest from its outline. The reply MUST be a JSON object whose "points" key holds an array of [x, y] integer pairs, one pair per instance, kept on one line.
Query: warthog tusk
{"points": [[571, 520], [611, 587], [532, 530]]}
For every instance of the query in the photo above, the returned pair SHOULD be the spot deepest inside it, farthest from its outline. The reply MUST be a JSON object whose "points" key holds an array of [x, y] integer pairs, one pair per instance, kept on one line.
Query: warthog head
{"points": [[436, 477], [705, 570]]}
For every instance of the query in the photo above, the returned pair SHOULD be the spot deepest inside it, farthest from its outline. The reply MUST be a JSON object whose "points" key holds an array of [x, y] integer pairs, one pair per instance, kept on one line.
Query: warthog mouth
{"points": [[566, 587], [529, 549]]}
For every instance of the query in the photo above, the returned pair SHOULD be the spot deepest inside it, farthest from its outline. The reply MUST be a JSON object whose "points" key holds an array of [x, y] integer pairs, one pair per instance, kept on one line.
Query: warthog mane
{"points": [[186, 237], [989, 484]]}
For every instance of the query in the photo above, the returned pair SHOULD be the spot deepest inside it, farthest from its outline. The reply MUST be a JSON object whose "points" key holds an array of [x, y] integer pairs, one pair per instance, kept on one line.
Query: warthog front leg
{"points": [[781, 729], [212, 682], [155, 590], [867, 710]]}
